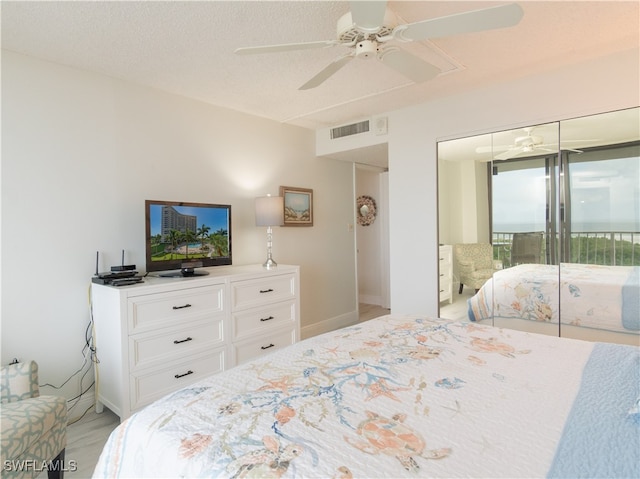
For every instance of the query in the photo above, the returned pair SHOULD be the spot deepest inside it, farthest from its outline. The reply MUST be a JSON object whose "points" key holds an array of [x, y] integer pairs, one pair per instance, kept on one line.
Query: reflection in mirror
{"points": [[565, 193], [524, 225], [523, 199], [600, 240], [464, 172]]}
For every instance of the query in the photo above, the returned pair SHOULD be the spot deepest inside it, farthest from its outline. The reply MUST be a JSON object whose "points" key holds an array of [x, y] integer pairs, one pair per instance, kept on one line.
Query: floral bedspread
{"points": [[397, 396], [594, 296]]}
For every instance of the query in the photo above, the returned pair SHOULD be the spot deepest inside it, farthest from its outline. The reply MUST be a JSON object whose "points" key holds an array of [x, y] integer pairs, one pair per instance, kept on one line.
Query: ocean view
{"points": [[595, 227]]}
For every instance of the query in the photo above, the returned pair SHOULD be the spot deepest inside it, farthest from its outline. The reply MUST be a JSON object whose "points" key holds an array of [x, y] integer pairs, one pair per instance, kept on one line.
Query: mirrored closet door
{"points": [[600, 227], [559, 205]]}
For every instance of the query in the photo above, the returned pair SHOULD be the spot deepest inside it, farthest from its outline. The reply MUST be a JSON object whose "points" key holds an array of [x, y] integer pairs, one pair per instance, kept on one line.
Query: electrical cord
{"points": [[89, 354], [83, 415]]}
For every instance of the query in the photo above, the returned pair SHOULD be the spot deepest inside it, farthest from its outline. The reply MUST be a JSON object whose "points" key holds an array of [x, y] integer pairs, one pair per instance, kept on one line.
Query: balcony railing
{"points": [[605, 248]]}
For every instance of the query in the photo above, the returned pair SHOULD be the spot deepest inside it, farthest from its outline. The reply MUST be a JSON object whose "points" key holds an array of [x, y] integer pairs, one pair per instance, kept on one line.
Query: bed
{"points": [[398, 396], [589, 296]]}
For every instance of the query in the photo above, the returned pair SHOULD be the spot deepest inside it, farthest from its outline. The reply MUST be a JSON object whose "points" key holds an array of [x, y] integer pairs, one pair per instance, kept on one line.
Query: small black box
{"points": [[124, 267]]}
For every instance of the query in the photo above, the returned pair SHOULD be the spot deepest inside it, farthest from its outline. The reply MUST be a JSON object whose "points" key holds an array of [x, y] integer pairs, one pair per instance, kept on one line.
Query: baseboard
{"points": [[79, 406], [330, 324], [370, 299]]}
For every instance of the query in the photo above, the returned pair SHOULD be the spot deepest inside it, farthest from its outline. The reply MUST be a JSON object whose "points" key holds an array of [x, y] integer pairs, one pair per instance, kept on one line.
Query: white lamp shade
{"points": [[270, 211]]}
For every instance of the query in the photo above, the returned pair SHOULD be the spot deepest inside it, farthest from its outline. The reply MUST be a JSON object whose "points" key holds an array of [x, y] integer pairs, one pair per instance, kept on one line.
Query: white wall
{"points": [[585, 88], [463, 204], [80, 154]]}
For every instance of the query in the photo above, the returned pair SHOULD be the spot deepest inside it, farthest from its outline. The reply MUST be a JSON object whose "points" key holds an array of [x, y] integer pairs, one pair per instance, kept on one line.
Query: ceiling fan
{"points": [[370, 28], [527, 144]]}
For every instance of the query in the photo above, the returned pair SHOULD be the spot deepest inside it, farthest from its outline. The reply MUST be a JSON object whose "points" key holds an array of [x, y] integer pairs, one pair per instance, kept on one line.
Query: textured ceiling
{"points": [[187, 48]]}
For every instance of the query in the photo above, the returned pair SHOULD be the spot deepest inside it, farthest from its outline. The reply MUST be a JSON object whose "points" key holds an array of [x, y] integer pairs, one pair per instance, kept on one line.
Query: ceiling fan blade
{"points": [[409, 65], [489, 149], [368, 15], [466, 22], [508, 154], [329, 70], [286, 47]]}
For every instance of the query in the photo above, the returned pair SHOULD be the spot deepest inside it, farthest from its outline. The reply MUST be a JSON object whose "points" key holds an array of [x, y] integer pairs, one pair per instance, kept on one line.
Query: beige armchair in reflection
{"points": [[475, 264]]}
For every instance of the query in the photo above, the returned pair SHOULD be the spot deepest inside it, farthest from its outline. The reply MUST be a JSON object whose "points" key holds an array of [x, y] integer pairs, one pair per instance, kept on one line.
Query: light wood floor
{"points": [[86, 438], [458, 309], [370, 311]]}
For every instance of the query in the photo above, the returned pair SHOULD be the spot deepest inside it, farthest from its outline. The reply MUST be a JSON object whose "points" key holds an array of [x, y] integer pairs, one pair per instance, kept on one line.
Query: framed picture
{"points": [[298, 206]]}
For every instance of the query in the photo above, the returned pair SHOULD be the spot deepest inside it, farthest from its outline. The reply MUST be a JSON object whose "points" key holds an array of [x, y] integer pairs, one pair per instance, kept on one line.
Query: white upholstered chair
{"points": [[474, 263], [34, 427]]}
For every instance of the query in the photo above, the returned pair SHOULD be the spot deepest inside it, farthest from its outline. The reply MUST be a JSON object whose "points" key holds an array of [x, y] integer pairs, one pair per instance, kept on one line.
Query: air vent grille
{"points": [[348, 130]]}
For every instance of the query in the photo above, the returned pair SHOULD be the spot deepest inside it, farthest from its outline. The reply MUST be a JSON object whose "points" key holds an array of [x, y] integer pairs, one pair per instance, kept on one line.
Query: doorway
{"points": [[372, 240]]}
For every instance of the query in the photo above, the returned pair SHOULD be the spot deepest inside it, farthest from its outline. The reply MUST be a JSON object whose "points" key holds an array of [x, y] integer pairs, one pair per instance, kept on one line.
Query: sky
{"points": [[215, 217], [605, 196]]}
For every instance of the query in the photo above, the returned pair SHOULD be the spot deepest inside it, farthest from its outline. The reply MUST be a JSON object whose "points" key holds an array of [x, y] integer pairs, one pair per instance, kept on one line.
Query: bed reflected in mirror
{"points": [[560, 205]]}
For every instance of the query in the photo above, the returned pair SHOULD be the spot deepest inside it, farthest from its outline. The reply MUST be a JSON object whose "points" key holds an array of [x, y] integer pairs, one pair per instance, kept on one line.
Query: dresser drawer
{"points": [[153, 311], [445, 256], [252, 293], [445, 271], [445, 293], [159, 347], [259, 321], [243, 351], [149, 386], [445, 277]]}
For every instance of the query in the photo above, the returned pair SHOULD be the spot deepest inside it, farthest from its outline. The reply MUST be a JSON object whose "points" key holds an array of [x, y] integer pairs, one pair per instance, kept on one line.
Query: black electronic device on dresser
{"points": [[122, 275]]}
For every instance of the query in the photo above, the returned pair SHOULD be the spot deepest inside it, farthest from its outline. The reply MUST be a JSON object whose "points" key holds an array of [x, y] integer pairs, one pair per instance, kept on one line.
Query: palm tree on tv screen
{"points": [[174, 237], [203, 234], [189, 237], [220, 242]]}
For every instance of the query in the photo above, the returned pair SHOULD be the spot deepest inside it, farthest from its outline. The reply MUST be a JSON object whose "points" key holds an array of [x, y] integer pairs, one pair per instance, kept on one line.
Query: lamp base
{"points": [[270, 264]]}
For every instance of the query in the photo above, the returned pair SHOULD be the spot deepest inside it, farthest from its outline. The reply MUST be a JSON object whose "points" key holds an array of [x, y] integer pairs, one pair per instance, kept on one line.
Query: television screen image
{"points": [[184, 236]]}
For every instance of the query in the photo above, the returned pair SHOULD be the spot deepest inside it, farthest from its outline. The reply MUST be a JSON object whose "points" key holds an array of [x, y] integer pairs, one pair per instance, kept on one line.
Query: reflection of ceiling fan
{"points": [[526, 144], [369, 29]]}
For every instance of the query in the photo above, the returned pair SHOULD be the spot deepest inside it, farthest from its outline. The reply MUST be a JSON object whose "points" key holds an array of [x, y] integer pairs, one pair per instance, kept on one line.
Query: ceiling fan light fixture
{"points": [[366, 49]]}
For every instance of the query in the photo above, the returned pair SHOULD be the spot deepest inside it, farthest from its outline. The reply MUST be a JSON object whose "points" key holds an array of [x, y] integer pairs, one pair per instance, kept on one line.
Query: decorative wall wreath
{"points": [[366, 210]]}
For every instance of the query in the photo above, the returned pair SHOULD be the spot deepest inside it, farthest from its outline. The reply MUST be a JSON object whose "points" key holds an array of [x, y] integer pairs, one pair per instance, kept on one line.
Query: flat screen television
{"points": [[181, 237]]}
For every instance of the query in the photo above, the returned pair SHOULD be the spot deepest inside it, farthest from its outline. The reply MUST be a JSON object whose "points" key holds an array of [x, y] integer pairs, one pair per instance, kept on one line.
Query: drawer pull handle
{"points": [[442, 274], [189, 338], [178, 376], [266, 319], [182, 307], [266, 291], [267, 347]]}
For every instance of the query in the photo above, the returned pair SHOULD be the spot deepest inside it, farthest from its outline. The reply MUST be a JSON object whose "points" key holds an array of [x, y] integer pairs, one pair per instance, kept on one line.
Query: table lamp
{"points": [[269, 212]]}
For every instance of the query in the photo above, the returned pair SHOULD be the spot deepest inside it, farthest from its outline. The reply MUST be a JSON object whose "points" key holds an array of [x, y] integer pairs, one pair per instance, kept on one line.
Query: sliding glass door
{"points": [[602, 206], [522, 204]]}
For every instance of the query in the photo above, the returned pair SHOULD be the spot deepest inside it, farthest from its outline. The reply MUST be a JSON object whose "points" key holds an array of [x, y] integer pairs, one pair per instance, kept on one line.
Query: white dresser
{"points": [[155, 337], [445, 270]]}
